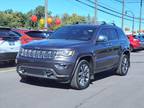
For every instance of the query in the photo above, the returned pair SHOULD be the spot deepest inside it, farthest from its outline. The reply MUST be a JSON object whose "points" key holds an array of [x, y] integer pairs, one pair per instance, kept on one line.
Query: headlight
{"points": [[64, 53]]}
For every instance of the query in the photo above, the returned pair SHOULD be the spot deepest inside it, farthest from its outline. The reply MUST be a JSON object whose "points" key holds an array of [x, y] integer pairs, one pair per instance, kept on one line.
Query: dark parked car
{"points": [[74, 53], [34, 35]]}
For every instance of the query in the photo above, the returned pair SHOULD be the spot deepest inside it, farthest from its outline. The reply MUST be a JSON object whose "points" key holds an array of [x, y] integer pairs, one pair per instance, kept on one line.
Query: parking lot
{"points": [[107, 91]]}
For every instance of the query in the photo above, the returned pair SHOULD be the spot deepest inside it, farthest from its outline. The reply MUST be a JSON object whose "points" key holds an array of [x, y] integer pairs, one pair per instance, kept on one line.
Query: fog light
{"points": [[21, 70], [61, 66]]}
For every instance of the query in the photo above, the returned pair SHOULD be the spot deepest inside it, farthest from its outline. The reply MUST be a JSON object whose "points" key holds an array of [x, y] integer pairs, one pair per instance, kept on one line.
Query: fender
{"points": [[77, 61]]}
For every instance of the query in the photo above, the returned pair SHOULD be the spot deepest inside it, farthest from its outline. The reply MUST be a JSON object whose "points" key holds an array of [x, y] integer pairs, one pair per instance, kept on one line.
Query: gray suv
{"points": [[74, 53]]}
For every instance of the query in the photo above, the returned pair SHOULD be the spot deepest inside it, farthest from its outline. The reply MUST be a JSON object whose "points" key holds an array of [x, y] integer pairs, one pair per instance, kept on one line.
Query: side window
{"points": [[113, 35], [104, 32]]}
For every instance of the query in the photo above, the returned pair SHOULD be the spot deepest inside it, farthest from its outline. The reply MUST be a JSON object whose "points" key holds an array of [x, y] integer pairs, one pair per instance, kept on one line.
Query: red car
{"points": [[134, 43], [34, 35]]}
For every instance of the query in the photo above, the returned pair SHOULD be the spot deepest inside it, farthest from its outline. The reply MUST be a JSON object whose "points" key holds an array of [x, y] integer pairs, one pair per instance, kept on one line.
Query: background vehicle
{"points": [[34, 35], [134, 43], [9, 44], [74, 53], [21, 31], [141, 39]]}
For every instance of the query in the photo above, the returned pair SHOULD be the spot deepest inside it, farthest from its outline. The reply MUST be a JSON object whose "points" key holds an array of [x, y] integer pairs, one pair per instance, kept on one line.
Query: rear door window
{"points": [[113, 35], [104, 32]]}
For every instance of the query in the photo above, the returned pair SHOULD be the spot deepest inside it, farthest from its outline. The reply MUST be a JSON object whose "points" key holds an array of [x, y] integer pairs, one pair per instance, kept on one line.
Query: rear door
{"points": [[114, 45], [103, 52]]}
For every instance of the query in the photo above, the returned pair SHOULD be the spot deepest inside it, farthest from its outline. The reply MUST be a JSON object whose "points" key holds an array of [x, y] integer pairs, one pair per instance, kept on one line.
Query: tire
{"points": [[81, 78], [123, 67]]}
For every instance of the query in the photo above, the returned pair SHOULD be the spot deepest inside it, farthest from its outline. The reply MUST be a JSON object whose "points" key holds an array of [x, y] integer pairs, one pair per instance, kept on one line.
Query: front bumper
{"points": [[141, 44], [8, 56], [60, 71]]}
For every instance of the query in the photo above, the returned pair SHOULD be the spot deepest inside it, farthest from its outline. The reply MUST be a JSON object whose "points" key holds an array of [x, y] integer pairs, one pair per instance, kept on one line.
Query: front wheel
{"points": [[81, 78], [123, 65]]}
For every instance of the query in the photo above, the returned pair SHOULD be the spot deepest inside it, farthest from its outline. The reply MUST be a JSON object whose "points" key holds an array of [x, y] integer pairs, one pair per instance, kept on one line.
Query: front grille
{"points": [[42, 54]]}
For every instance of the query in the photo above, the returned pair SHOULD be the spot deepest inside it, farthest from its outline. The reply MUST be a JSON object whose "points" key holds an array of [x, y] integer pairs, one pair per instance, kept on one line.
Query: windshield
{"points": [[7, 33], [38, 34], [83, 33]]}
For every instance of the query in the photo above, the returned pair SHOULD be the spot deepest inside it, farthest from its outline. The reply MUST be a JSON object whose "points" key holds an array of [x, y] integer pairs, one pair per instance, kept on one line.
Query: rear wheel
{"points": [[123, 66], [81, 78]]}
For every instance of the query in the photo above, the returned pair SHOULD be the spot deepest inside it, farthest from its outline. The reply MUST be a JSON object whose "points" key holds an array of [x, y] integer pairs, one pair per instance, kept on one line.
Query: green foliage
{"points": [[10, 18], [74, 18]]}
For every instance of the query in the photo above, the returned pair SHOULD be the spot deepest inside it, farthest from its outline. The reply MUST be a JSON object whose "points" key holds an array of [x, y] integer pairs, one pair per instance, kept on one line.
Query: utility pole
{"points": [[95, 12], [133, 21], [46, 13], [140, 16], [123, 12]]}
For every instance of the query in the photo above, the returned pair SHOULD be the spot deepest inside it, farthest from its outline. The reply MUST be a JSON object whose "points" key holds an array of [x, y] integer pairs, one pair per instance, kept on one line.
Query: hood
{"points": [[54, 43]]}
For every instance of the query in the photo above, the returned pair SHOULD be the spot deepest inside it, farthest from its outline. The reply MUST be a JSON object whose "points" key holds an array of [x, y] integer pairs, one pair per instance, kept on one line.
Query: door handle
{"points": [[109, 44]]}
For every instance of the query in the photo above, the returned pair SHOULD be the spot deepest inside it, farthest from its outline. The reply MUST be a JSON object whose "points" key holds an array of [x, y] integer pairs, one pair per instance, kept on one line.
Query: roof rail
{"points": [[97, 23], [113, 24]]}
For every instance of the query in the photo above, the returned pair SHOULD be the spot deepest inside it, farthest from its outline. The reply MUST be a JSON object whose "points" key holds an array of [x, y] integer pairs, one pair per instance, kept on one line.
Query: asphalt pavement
{"points": [[107, 91]]}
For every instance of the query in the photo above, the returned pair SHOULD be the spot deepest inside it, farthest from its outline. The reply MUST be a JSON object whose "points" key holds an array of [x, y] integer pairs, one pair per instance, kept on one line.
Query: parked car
{"points": [[141, 39], [74, 53], [134, 43], [9, 44], [21, 31], [34, 35]]}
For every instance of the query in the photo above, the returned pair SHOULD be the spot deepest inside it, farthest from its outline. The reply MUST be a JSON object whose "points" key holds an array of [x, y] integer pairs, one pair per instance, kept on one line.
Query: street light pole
{"points": [[46, 15], [95, 12], [140, 16], [123, 8], [133, 16]]}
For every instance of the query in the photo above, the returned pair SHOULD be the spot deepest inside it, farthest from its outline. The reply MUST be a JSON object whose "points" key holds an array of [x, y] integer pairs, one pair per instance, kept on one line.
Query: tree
{"points": [[74, 18], [10, 18]]}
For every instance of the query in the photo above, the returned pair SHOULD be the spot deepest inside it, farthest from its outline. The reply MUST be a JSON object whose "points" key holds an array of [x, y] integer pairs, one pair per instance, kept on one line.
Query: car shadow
{"points": [[103, 75], [7, 64], [137, 50], [45, 83], [54, 84]]}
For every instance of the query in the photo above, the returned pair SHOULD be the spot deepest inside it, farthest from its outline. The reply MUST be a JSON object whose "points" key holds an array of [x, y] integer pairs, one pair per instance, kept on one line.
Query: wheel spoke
{"points": [[83, 75], [125, 65]]}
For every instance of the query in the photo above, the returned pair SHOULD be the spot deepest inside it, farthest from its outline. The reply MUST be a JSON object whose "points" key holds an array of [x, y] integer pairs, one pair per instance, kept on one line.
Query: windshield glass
{"points": [[38, 34], [83, 33], [7, 33]]}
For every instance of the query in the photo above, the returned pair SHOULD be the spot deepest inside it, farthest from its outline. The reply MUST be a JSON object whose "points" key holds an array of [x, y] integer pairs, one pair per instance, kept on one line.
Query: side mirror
{"points": [[102, 38]]}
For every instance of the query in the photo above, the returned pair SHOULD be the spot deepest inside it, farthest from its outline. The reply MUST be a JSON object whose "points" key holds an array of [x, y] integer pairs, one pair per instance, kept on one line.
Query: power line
{"points": [[100, 9], [86, 4], [110, 9], [118, 1]]}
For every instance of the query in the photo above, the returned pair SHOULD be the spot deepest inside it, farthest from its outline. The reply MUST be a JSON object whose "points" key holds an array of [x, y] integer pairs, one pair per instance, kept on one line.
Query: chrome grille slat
{"points": [[39, 54]]}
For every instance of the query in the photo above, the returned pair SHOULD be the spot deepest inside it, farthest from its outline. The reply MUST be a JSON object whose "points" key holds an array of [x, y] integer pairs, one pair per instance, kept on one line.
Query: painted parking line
{"points": [[8, 70]]}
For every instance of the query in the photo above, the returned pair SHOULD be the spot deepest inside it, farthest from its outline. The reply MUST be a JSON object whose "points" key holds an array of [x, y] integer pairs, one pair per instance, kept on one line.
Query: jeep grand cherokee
{"points": [[74, 53]]}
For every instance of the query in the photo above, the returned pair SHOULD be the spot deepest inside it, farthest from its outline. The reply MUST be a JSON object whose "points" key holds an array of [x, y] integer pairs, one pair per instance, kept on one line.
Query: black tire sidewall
{"points": [[119, 71], [78, 86]]}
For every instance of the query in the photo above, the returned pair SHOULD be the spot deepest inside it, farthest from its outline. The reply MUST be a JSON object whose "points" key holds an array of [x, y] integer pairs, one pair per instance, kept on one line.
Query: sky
{"points": [[59, 7]]}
